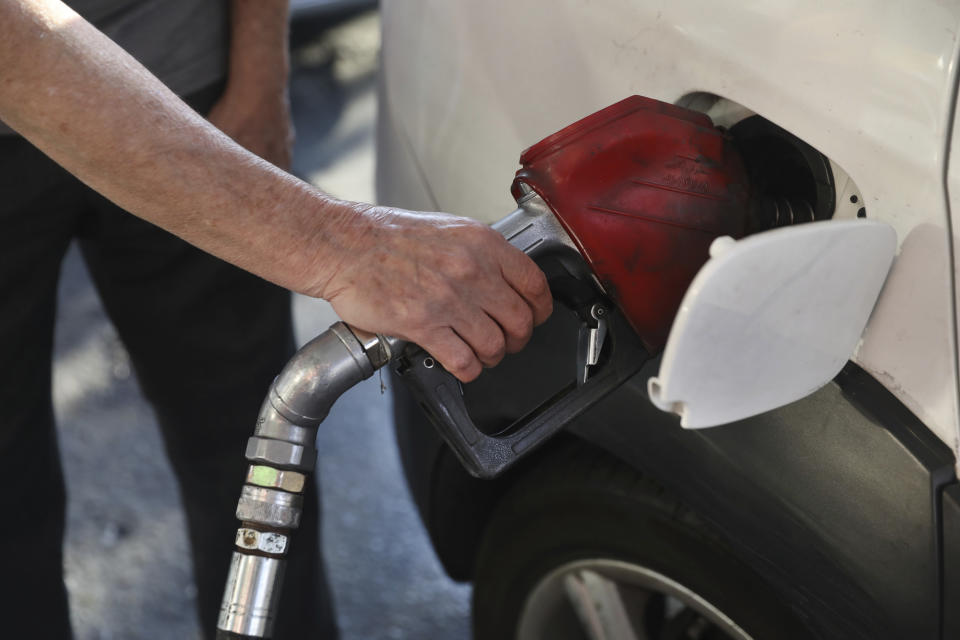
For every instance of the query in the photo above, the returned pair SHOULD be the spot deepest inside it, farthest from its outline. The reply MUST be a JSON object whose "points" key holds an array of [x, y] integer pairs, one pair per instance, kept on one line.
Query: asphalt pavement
{"points": [[126, 569]]}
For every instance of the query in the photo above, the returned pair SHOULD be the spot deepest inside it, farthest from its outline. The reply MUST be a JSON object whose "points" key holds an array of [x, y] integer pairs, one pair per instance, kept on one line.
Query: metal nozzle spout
{"points": [[281, 452], [250, 602]]}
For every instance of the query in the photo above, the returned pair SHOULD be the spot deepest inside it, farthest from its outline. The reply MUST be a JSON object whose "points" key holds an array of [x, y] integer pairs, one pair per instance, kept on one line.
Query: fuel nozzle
{"points": [[281, 451]]}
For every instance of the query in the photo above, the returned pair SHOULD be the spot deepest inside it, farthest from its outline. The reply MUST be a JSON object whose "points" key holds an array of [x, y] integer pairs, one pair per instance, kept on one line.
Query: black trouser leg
{"points": [[37, 213]]}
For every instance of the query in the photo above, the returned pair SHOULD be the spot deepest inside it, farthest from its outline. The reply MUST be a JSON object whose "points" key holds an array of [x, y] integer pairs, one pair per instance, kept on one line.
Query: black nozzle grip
{"points": [[486, 456]]}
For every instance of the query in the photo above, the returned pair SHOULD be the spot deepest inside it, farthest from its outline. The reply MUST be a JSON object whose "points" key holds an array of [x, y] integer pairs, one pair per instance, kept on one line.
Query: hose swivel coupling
{"points": [[281, 454]]}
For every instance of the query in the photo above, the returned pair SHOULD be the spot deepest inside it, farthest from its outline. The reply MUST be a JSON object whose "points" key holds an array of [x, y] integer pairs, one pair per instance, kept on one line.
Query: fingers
{"points": [[508, 306], [484, 337], [476, 343], [491, 315], [476, 340], [514, 318], [452, 352], [529, 281]]}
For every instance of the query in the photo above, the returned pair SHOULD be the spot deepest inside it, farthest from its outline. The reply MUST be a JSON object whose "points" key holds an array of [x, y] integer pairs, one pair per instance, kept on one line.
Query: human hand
{"points": [[258, 119], [451, 285]]}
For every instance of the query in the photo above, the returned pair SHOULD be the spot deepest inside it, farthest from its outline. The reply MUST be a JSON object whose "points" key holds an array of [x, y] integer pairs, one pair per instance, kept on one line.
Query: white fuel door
{"points": [[771, 318]]}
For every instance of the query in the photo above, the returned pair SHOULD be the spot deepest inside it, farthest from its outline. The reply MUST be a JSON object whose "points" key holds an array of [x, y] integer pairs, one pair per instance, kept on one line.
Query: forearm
{"points": [[452, 285], [259, 58], [254, 109], [92, 108]]}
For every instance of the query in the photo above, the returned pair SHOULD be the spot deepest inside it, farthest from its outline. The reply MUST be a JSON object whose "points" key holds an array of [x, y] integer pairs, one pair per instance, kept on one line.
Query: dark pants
{"points": [[205, 339]]}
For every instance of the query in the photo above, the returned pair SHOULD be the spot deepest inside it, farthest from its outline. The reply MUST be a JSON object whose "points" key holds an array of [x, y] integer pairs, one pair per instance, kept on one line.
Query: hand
{"points": [[258, 120], [452, 285]]}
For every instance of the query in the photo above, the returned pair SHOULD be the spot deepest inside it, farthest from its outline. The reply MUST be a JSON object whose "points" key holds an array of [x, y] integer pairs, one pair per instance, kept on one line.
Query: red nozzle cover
{"points": [[643, 187]]}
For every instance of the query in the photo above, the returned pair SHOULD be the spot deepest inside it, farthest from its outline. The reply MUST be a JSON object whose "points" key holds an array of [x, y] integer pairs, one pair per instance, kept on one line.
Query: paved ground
{"points": [[125, 564]]}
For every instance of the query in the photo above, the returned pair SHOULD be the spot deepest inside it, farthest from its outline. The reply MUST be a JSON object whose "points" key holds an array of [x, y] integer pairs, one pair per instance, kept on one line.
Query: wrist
{"points": [[339, 231], [257, 88]]}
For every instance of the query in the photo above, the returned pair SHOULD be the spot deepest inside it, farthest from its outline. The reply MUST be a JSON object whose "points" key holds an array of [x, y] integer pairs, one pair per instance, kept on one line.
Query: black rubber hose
{"points": [[230, 635]]}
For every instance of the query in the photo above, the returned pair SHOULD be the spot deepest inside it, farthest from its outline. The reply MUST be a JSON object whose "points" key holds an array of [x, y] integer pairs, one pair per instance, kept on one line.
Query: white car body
{"points": [[868, 83]]}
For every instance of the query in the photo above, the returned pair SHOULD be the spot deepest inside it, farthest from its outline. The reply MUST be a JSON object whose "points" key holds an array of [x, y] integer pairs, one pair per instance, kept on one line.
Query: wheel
{"points": [[586, 548]]}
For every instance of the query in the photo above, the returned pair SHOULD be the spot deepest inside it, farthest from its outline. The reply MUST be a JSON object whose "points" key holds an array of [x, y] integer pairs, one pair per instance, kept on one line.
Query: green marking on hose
{"points": [[264, 476]]}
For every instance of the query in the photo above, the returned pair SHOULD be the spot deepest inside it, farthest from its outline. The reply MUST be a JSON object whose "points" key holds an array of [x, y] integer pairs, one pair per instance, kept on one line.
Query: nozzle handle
{"points": [[486, 456]]}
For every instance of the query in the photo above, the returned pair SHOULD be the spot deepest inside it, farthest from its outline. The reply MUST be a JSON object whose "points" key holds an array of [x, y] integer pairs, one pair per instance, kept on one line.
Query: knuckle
{"points": [[460, 264], [494, 347], [465, 267], [519, 344], [471, 374], [413, 315], [489, 236], [520, 325], [525, 317], [460, 362], [484, 240], [448, 301], [537, 282], [437, 295], [523, 336]]}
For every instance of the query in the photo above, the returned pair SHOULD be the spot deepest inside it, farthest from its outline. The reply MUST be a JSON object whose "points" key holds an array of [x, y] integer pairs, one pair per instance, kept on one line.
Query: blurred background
{"points": [[127, 570]]}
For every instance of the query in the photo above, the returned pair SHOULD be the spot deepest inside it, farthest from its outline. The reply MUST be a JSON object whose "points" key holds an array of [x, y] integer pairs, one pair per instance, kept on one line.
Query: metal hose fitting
{"points": [[281, 455]]}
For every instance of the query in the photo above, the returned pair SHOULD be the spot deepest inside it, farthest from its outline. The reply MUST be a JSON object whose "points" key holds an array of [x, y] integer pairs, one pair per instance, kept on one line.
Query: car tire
{"points": [[583, 521]]}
